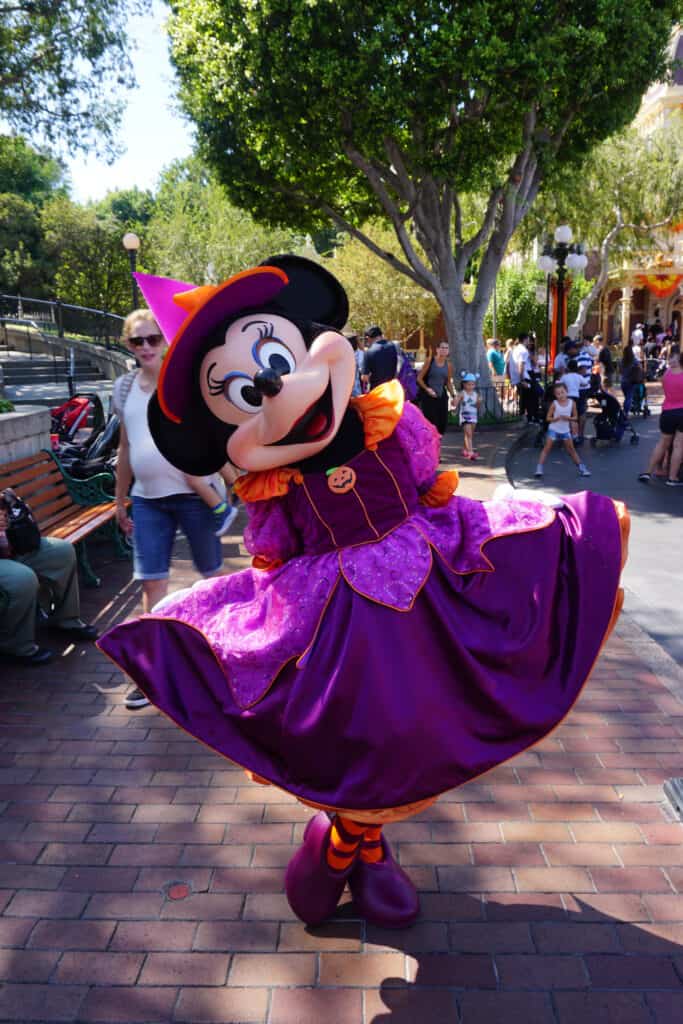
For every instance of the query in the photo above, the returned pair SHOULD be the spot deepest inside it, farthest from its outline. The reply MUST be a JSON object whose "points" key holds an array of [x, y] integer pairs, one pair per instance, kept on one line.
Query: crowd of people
{"points": [[164, 500]]}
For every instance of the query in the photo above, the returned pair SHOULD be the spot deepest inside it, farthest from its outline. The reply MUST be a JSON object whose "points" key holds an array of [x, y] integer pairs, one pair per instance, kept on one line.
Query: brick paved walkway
{"points": [[141, 875]]}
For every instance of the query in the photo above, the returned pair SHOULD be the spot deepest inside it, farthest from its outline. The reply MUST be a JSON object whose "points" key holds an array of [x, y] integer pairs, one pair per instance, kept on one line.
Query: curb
{"points": [[519, 442]]}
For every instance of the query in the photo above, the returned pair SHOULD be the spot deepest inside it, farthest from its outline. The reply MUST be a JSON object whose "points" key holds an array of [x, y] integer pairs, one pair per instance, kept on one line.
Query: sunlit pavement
{"points": [[142, 875]]}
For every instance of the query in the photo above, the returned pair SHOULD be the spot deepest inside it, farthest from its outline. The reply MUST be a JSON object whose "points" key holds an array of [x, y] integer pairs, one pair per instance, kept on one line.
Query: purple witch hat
{"points": [[187, 314]]}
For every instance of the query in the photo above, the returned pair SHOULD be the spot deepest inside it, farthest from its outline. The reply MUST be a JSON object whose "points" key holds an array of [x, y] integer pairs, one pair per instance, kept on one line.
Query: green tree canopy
{"points": [[196, 234], [131, 207], [27, 172], [518, 290], [91, 266], [318, 110], [62, 62], [27, 178]]}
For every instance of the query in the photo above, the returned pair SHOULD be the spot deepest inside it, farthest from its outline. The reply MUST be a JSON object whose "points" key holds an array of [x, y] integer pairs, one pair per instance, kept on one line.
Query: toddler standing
{"points": [[468, 404]]}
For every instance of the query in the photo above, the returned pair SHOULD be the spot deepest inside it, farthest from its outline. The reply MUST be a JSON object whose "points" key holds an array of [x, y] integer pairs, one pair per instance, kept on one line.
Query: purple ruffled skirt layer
{"points": [[387, 707]]}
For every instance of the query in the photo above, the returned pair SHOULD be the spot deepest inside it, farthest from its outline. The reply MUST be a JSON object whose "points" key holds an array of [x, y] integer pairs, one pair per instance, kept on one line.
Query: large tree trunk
{"points": [[464, 323]]}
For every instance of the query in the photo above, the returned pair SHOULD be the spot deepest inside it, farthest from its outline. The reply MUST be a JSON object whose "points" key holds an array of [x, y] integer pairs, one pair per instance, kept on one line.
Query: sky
{"points": [[151, 135]]}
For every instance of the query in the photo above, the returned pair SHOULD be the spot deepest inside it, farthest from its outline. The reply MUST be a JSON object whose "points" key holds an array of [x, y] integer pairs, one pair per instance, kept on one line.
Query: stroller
{"points": [[639, 406], [654, 368], [611, 423], [95, 456], [83, 412]]}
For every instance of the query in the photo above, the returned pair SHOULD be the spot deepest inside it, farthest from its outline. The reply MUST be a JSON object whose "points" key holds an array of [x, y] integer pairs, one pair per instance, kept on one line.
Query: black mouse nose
{"points": [[268, 382]]}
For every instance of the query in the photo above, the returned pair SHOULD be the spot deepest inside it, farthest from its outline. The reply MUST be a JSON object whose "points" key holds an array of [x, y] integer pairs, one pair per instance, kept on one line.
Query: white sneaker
{"points": [[584, 470], [136, 699]]}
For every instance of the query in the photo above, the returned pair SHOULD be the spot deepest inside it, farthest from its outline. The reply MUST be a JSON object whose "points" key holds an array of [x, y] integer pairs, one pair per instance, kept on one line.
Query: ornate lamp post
{"points": [[558, 259], [131, 243]]}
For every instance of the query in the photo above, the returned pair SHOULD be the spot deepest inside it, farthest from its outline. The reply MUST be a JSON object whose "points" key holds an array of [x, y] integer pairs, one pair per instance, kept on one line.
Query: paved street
{"points": [[141, 875], [653, 573]]}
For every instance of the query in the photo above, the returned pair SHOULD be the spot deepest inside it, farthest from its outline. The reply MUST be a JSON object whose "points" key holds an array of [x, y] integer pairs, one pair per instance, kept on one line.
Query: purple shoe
{"points": [[313, 888], [382, 893]]}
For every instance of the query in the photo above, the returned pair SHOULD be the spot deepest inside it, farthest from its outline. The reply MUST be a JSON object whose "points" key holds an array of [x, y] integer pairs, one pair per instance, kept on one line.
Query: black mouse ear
{"points": [[197, 446], [313, 293]]}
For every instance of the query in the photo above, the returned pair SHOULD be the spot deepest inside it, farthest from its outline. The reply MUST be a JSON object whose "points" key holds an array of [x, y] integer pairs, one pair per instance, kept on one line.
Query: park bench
{"points": [[64, 507]]}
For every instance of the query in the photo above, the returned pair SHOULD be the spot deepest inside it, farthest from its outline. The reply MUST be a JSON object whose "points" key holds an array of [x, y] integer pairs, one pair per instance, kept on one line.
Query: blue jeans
{"points": [[628, 396], [155, 521]]}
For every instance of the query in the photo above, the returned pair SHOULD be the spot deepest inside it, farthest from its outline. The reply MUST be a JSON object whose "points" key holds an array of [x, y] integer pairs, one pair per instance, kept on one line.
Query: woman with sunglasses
{"points": [[163, 497]]}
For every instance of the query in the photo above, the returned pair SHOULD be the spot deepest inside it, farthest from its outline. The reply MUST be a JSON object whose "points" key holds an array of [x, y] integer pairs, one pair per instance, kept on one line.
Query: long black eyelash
{"points": [[215, 386], [267, 331]]}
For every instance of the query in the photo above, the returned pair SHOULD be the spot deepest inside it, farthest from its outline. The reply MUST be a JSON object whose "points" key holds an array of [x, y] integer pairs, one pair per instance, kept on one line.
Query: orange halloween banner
{"points": [[661, 285]]}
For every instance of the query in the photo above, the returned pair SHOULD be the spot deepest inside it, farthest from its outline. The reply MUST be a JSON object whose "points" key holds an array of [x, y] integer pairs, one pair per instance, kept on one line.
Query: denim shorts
{"points": [[155, 521], [559, 435]]}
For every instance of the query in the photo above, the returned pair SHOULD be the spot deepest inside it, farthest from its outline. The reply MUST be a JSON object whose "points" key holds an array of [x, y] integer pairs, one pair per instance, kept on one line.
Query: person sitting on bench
{"points": [[54, 563]]}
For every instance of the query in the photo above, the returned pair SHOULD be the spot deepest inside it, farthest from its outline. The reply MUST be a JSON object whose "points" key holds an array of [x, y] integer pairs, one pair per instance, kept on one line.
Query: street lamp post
{"points": [[131, 243], [558, 259]]}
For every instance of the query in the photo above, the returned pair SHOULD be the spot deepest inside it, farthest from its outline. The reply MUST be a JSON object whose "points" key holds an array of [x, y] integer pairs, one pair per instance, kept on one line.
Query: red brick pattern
{"points": [[551, 889]]}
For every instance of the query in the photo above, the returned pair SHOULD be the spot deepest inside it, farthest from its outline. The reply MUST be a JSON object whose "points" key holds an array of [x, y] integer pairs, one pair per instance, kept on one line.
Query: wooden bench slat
{"points": [[63, 516], [60, 515], [43, 512], [38, 501], [67, 531], [35, 496], [46, 471], [10, 468]]}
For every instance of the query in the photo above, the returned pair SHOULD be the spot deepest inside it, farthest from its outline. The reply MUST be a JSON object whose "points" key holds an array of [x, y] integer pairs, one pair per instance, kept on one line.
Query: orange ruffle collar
{"points": [[380, 410]]}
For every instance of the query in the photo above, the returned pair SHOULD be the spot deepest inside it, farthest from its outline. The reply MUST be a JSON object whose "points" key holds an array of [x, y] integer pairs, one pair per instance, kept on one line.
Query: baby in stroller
{"points": [[611, 423]]}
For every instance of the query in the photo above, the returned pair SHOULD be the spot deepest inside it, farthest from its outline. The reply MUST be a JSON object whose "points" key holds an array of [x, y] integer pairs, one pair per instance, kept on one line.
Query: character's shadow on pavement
{"points": [[529, 963]]}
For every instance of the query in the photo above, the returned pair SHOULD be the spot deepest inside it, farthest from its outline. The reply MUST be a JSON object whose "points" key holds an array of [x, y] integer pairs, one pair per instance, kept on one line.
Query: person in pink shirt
{"points": [[670, 444]]}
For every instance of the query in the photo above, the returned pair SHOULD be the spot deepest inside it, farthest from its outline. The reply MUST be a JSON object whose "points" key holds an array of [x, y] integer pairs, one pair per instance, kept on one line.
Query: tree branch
{"points": [[428, 279], [388, 257], [600, 281], [468, 248]]}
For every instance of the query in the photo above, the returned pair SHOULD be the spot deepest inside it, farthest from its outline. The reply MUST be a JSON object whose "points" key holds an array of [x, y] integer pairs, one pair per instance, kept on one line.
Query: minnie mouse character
{"points": [[391, 640]]}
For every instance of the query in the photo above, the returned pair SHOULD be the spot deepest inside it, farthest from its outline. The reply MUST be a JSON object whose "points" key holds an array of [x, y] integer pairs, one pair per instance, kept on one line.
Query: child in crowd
{"points": [[468, 404], [572, 380], [562, 420]]}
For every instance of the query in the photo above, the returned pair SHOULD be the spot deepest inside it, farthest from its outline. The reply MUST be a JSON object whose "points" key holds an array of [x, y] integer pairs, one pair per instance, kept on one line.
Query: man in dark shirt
{"points": [[605, 360], [381, 358]]}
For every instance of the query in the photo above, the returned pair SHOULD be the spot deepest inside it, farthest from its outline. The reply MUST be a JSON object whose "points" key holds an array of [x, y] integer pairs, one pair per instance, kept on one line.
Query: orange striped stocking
{"points": [[371, 850], [346, 837]]}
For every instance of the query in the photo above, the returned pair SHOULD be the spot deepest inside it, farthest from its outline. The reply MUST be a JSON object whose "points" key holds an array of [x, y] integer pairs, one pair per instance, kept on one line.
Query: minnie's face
{"points": [[286, 400]]}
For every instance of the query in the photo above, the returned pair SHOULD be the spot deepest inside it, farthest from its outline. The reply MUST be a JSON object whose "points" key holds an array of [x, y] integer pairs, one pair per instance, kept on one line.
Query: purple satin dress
{"points": [[399, 650]]}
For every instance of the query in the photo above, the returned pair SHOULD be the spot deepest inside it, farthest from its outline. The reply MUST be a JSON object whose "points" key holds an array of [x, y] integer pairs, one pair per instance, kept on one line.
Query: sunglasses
{"points": [[153, 340]]}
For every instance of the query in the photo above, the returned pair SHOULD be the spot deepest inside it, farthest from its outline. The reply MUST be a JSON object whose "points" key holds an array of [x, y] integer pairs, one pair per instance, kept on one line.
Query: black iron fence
{"points": [[61, 319]]}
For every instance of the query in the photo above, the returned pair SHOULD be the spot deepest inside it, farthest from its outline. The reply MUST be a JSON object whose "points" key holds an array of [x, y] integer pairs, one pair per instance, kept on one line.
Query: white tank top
{"points": [[561, 410]]}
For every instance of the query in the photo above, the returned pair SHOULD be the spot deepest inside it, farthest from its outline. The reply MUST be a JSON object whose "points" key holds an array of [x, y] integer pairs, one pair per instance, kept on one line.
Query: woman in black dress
{"points": [[435, 381]]}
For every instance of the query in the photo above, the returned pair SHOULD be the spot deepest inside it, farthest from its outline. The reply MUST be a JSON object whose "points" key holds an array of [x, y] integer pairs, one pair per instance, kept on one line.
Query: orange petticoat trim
{"points": [[441, 491], [265, 564], [624, 528]]}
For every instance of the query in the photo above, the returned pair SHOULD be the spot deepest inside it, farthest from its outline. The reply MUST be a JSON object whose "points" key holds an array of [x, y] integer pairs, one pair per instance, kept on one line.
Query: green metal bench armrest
{"points": [[87, 492]]}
